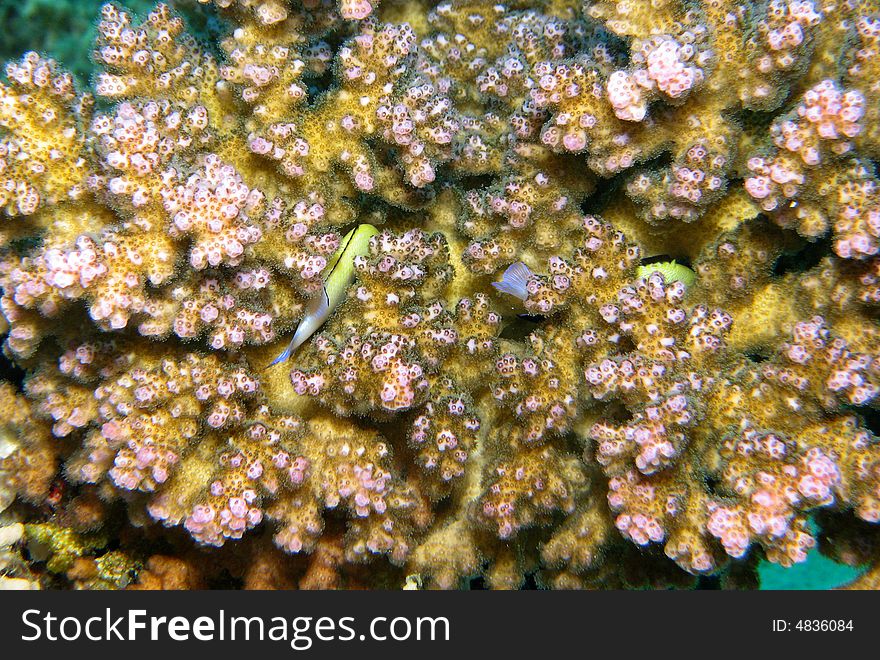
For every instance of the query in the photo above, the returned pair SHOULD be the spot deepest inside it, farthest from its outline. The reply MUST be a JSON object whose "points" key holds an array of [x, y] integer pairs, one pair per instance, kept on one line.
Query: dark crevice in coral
{"points": [[22, 246], [682, 260], [659, 161], [225, 580], [803, 259], [594, 203], [845, 539], [870, 418], [574, 444], [317, 86], [614, 412], [712, 485], [708, 583], [11, 373], [531, 582], [757, 356], [625, 344], [477, 584], [474, 182], [756, 121], [520, 327]]}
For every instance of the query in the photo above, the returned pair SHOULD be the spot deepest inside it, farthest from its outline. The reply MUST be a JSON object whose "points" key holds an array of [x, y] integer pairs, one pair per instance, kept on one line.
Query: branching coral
{"points": [[617, 421]]}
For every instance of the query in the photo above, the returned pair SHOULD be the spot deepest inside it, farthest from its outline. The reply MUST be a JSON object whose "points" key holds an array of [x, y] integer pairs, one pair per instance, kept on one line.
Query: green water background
{"points": [[817, 572]]}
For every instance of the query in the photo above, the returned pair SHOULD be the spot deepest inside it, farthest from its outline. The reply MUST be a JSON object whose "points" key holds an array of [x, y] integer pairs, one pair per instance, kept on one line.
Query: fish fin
{"points": [[316, 310], [283, 356], [515, 280]]}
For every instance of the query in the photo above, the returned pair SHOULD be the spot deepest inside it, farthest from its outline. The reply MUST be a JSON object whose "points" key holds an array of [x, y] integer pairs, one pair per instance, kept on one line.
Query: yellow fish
{"points": [[340, 275], [671, 272]]}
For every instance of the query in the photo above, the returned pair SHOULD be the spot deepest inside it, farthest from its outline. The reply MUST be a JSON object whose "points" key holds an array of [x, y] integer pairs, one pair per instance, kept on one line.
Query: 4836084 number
{"points": [[823, 625]]}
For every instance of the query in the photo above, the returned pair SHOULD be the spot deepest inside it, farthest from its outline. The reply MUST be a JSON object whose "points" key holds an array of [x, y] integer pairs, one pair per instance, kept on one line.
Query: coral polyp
{"points": [[452, 209]]}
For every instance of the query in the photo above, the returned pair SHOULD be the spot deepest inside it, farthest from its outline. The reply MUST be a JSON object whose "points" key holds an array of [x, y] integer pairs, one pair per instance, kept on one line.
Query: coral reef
{"points": [[685, 382]]}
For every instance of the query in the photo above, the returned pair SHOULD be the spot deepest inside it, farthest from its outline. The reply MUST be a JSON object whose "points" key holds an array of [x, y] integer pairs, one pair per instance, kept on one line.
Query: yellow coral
{"points": [[639, 426]]}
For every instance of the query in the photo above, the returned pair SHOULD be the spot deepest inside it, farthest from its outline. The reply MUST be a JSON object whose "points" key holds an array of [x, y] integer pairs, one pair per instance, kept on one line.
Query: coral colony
{"points": [[676, 376]]}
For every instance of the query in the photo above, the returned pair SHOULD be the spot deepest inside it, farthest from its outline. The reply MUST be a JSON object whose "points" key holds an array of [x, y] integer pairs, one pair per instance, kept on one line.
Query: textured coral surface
{"points": [[620, 422]]}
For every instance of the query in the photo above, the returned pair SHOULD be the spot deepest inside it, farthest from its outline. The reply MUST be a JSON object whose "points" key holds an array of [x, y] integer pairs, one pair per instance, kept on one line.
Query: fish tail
{"points": [[515, 280], [283, 356]]}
